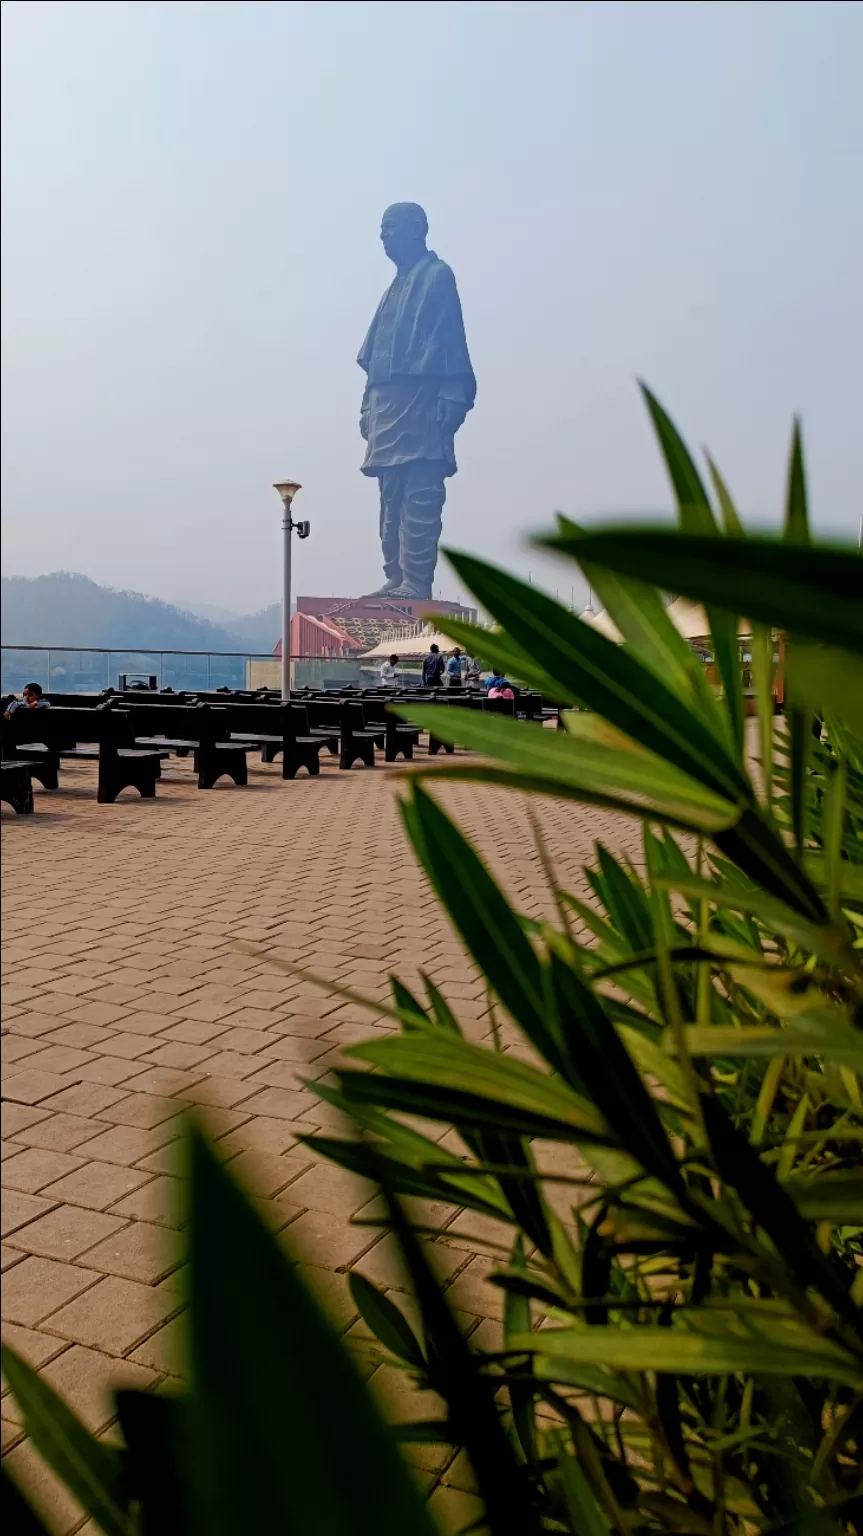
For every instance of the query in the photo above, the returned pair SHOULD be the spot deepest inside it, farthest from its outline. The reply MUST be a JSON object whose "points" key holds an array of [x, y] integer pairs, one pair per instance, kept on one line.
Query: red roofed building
{"points": [[311, 636]]}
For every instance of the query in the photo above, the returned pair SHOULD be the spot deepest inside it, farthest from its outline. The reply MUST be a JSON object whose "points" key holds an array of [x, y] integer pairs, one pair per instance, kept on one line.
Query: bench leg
{"points": [[20, 797], [117, 775], [435, 746], [351, 750], [397, 747], [47, 774], [268, 753], [295, 758], [213, 764]]}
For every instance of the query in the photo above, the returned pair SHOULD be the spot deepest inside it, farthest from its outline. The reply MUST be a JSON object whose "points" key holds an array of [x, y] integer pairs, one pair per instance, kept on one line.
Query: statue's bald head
{"points": [[404, 227]]}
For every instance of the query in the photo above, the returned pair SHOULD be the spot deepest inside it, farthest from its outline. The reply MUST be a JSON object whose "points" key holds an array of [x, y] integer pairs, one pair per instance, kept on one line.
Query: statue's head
{"points": [[404, 227]]}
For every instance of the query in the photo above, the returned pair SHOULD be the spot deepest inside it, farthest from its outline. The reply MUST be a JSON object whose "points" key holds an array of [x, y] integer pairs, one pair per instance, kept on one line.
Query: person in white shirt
{"points": [[388, 673]]}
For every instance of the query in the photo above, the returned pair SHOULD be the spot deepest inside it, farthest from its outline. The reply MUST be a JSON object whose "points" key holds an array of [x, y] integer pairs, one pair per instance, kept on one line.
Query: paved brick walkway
{"points": [[126, 997]]}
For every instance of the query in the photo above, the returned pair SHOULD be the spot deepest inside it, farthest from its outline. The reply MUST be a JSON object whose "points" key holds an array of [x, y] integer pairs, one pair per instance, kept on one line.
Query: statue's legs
{"points": [[425, 494], [412, 498], [391, 483]]}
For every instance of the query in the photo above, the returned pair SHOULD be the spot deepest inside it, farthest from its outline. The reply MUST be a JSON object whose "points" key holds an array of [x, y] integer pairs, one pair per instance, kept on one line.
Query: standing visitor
{"points": [[388, 673], [453, 670], [472, 670], [433, 668]]}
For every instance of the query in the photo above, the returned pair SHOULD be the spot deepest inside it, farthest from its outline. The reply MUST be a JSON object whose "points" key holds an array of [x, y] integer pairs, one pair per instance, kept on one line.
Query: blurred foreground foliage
{"points": [[664, 1129]]}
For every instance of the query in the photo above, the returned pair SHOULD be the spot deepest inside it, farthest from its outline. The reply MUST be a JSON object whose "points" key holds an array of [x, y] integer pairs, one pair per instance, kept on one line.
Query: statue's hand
{"points": [[450, 415], [364, 425]]}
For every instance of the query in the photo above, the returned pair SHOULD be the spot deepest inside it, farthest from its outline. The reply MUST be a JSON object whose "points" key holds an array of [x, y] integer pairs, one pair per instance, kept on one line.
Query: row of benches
{"points": [[129, 738]]}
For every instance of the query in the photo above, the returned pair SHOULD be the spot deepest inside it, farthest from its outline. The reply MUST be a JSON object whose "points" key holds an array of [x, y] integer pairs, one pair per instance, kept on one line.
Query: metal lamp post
{"points": [[287, 490]]}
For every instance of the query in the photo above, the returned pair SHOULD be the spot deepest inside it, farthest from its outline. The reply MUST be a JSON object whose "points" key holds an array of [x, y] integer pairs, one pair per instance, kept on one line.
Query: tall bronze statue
{"points": [[420, 386]]}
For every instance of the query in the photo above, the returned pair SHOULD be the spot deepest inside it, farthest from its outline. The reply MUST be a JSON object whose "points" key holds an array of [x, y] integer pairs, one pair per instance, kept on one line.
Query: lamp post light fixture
{"points": [[287, 490]]}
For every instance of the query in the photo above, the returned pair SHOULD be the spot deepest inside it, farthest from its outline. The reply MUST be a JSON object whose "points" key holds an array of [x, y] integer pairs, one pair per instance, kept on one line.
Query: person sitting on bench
{"points": [[30, 699]]}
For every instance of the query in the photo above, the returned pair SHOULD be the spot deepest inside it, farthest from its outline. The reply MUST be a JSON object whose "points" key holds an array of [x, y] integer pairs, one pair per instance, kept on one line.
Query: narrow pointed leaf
{"points": [[730, 516], [649, 1347], [796, 507], [589, 669], [813, 591], [286, 1435], [440, 1060], [469, 1396], [386, 1321], [590, 758], [18, 1516], [91, 1470], [693, 504], [483, 917]]}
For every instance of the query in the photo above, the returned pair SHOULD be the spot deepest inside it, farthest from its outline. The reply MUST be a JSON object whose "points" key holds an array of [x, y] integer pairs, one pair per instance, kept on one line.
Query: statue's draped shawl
{"points": [[428, 334]]}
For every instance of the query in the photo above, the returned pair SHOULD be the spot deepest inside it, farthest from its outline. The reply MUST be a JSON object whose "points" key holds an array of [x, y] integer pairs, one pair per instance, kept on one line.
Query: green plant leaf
{"points": [[812, 592], [649, 1347], [469, 1397], [587, 668], [834, 1197], [802, 1036], [155, 1429], [585, 1514], [769, 909], [471, 1113], [828, 681], [772, 1208], [285, 1434], [443, 1014], [695, 515], [639, 614], [693, 505], [459, 1187], [516, 1319], [611, 1078], [625, 900], [600, 765], [760, 853], [386, 1322], [796, 529], [18, 1516], [532, 784], [730, 516], [410, 1008], [91, 1470], [486, 922], [440, 1061]]}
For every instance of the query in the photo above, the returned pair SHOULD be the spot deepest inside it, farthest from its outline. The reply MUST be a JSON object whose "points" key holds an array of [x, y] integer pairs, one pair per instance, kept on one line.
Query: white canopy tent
{"points": [[409, 646]]}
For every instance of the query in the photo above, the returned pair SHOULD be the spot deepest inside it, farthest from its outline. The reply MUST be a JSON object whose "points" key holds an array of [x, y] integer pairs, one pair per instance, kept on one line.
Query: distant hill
{"points": [[69, 610], [259, 631]]}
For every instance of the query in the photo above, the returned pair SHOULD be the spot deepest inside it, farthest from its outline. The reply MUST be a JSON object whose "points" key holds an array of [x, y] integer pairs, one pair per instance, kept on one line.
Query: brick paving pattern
{"points": [[127, 998]]}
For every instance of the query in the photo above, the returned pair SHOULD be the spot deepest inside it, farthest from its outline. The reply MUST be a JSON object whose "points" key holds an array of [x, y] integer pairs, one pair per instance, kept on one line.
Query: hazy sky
{"points": [[192, 197]]}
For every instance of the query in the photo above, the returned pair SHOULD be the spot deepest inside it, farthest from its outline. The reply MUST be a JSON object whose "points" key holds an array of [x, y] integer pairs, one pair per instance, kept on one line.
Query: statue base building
{"points": [[368, 620]]}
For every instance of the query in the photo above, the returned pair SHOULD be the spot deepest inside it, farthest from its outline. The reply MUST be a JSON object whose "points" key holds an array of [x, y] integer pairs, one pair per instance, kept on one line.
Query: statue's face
{"points": [[400, 236]]}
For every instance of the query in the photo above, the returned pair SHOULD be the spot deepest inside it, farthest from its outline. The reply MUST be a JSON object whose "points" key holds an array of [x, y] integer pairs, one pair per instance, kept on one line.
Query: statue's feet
{"points": [[399, 588], [389, 587], [405, 590]]}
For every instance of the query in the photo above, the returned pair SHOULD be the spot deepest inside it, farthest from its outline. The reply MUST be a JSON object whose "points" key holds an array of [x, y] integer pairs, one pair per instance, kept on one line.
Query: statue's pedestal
{"points": [[368, 620]]}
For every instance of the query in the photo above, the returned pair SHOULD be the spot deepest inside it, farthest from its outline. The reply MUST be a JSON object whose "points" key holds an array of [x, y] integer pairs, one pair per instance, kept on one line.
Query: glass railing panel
{"points": [[79, 671], [20, 666]]}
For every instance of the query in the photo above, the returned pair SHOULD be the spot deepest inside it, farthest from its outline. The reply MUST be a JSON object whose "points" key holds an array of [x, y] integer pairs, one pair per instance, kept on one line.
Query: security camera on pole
{"points": [[287, 489]]}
